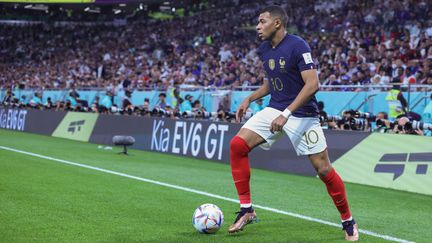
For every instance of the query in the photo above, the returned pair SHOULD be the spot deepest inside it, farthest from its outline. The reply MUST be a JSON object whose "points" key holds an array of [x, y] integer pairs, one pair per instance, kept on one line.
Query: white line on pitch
{"points": [[274, 210]]}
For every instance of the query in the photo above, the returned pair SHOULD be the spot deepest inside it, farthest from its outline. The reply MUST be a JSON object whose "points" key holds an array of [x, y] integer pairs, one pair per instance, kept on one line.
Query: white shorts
{"points": [[305, 133]]}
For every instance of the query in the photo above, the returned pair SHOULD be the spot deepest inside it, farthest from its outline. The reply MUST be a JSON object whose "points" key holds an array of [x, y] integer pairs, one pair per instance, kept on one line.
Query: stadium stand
{"points": [[357, 44]]}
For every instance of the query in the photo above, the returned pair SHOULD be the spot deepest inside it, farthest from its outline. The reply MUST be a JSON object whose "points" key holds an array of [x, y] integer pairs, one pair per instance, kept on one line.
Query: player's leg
{"points": [[253, 133], [336, 190], [308, 138], [333, 182], [240, 147]]}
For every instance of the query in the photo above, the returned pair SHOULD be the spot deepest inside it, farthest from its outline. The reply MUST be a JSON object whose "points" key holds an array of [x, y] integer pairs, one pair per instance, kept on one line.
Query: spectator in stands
{"points": [[377, 83], [354, 41], [343, 44], [345, 80], [428, 79], [332, 80]]}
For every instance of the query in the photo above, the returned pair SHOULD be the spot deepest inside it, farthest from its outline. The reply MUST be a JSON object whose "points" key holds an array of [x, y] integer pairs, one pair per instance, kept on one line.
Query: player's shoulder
{"points": [[298, 44], [295, 39]]}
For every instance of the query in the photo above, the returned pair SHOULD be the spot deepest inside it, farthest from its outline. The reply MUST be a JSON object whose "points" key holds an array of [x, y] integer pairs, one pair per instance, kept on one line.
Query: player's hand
{"points": [[419, 132], [277, 124], [241, 110]]}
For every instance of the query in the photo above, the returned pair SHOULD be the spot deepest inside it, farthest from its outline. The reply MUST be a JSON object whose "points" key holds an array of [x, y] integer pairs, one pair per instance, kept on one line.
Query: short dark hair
{"points": [[277, 11]]}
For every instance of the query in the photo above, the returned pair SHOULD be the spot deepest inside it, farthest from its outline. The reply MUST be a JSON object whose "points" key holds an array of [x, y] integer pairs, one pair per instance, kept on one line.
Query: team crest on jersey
{"points": [[282, 65], [272, 64], [282, 62]]}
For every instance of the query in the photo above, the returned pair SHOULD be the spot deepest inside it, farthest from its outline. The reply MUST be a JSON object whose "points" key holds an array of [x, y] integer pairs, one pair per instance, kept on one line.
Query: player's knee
{"points": [[239, 146], [324, 170]]}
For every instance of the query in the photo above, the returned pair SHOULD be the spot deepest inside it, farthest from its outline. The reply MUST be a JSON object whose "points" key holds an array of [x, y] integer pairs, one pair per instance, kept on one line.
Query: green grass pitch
{"points": [[45, 201]]}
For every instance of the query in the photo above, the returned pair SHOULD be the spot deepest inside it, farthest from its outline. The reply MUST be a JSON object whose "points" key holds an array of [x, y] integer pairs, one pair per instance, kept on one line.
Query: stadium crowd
{"points": [[354, 42]]}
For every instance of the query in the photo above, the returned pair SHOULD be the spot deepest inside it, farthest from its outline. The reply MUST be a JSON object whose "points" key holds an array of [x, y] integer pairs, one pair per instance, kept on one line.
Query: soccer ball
{"points": [[207, 218]]}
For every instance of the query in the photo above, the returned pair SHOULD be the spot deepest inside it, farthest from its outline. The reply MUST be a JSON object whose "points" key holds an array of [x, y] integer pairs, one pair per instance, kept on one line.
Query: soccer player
{"points": [[292, 83]]}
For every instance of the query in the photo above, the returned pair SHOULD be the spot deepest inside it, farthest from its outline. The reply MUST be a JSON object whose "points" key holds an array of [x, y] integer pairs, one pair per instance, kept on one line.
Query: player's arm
{"points": [[310, 77], [302, 55], [259, 93]]}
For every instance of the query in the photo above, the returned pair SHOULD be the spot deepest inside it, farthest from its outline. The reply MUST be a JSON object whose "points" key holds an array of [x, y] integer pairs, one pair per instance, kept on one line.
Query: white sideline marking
{"points": [[274, 210]]}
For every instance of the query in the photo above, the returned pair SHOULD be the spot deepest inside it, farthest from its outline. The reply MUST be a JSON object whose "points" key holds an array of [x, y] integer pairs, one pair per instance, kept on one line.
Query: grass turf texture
{"points": [[45, 201]]}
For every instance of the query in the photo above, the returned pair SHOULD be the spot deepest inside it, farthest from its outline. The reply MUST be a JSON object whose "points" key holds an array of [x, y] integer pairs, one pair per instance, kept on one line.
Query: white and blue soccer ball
{"points": [[207, 218]]}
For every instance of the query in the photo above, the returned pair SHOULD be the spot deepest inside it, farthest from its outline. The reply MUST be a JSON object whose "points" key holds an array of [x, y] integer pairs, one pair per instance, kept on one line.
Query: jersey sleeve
{"points": [[303, 56]]}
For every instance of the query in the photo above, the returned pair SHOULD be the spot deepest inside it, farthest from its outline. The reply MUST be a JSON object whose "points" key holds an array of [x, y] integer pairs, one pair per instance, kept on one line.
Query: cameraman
{"points": [[198, 110], [350, 121], [186, 104], [327, 122], [127, 106], [8, 99], [106, 102], [144, 109], [36, 101], [403, 125], [161, 102], [382, 123]]}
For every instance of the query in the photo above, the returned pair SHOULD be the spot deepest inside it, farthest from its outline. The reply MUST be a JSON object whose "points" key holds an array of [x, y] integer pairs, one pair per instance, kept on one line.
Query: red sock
{"points": [[336, 190], [240, 168]]}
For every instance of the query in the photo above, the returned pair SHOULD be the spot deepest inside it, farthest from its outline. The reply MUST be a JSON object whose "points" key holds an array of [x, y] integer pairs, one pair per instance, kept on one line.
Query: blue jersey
{"points": [[283, 65]]}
